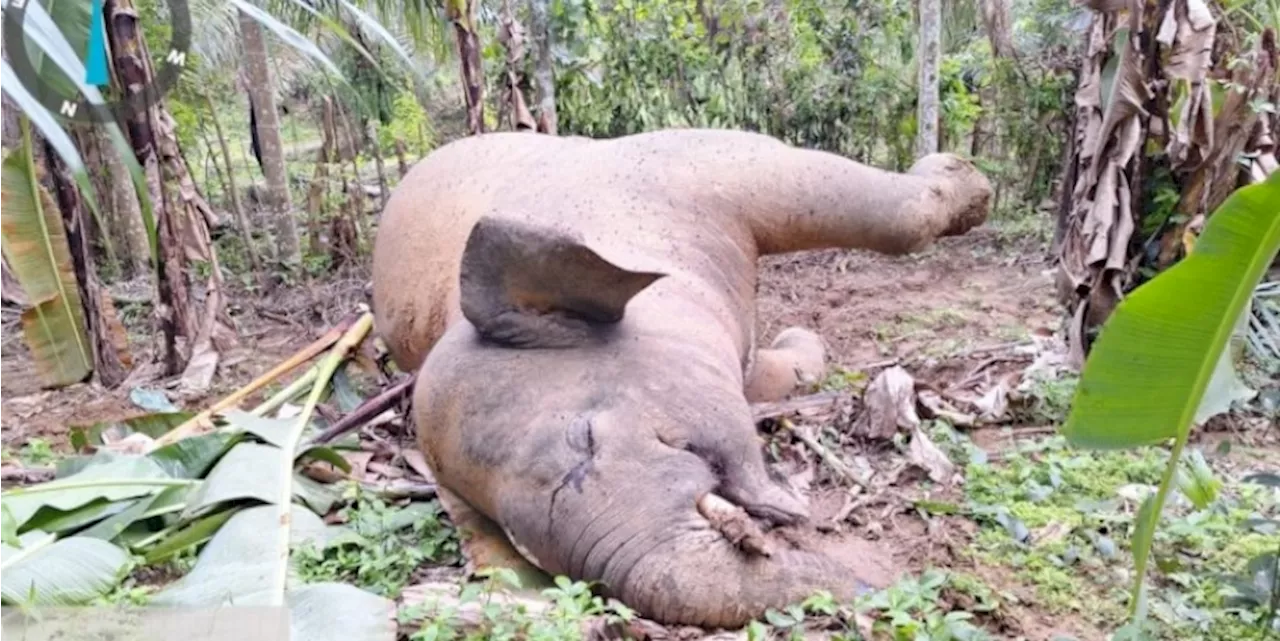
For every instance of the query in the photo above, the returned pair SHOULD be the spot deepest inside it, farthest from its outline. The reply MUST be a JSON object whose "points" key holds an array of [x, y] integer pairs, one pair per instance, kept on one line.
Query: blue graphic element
{"points": [[95, 72]]}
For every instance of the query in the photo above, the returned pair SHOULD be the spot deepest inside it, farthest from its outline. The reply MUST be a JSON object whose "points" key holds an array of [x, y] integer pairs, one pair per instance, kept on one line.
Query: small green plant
{"points": [[37, 452], [571, 603], [381, 546], [1162, 353], [1258, 587], [909, 611]]}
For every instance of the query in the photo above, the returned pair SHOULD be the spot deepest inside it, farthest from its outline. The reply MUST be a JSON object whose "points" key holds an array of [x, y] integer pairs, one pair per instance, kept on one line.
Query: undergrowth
{"points": [[381, 546]]}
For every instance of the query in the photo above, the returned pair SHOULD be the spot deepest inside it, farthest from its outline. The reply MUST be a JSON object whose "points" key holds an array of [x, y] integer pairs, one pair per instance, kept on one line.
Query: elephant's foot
{"points": [[486, 546], [796, 357]]}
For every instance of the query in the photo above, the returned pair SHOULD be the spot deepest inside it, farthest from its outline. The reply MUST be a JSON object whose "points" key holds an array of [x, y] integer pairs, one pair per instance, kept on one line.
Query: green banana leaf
{"points": [[1147, 374], [70, 571], [35, 243]]}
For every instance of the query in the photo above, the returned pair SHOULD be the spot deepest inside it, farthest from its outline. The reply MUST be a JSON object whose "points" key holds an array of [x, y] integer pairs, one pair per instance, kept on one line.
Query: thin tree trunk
{"points": [[543, 72], [319, 186], [237, 209], [383, 191], [462, 13], [111, 359], [99, 236], [995, 21], [119, 202], [179, 208], [261, 86], [929, 56], [401, 163]]}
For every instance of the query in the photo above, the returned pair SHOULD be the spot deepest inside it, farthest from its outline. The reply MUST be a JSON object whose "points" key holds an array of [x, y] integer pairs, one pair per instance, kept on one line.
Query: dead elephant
{"points": [[581, 316]]}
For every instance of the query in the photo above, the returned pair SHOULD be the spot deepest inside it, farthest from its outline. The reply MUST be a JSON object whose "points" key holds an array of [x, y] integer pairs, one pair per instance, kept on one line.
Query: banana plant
{"points": [[35, 245], [55, 32], [1148, 377]]}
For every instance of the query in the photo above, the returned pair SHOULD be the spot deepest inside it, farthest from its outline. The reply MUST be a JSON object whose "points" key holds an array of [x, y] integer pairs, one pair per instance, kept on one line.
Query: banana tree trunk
{"points": [[183, 218], [1161, 64], [107, 337], [462, 13]]}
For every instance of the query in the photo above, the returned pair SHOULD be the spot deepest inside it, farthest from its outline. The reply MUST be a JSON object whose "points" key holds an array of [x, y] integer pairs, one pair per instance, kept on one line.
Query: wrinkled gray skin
{"points": [[580, 313]]}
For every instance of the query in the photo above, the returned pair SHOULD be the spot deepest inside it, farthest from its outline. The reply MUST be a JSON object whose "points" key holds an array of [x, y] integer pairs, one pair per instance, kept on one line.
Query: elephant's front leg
{"points": [[795, 358], [485, 545]]}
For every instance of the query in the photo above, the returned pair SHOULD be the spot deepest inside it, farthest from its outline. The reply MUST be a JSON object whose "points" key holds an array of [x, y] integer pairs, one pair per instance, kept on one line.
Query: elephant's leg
{"points": [[796, 357], [795, 199], [484, 543]]}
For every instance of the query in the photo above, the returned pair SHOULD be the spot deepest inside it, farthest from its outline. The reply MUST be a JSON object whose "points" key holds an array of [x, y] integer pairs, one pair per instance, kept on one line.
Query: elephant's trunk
{"points": [[694, 576]]}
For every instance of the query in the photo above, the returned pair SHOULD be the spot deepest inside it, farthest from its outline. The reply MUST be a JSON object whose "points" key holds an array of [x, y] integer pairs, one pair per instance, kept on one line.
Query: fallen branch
{"points": [[819, 401], [203, 422], [368, 410], [826, 455]]}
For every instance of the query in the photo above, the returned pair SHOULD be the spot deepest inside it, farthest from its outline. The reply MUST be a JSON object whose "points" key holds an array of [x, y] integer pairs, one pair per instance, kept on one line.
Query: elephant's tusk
{"points": [[735, 524]]}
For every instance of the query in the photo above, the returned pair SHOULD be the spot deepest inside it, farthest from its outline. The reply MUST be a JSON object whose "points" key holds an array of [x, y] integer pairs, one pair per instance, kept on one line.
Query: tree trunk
{"points": [[233, 192], [543, 72], [383, 191], [118, 202], [462, 13], [401, 164], [319, 186], [995, 20], [262, 95], [929, 57], [181, 213], [111, 359]]}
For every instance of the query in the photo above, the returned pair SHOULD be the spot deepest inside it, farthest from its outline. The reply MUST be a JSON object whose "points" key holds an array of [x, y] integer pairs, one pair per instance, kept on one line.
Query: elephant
{"points": [[580, 317]]}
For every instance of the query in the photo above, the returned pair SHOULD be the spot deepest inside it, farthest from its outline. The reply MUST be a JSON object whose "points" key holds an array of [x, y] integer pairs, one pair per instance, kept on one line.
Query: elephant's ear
{"points": [[525, 285]]}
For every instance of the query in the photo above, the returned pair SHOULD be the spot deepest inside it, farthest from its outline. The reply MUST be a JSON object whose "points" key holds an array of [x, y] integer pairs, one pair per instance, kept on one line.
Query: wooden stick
{"points": [[368, 410], [821, 400], [826, 455], [203, 422]]}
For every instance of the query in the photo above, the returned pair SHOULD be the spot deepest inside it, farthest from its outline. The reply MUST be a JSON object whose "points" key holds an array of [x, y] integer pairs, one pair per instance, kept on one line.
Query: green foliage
{"points": [[380, 545], [1177, 324], [913, 609], [409, 124], [571, 604]]}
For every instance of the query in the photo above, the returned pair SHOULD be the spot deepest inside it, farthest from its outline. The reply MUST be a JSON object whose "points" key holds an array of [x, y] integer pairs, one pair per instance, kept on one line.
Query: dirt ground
{"points": [[962, 293]]}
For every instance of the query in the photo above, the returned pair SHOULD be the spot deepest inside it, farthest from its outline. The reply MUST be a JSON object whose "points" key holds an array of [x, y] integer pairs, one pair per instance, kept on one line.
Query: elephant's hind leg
{"points": [[796, 357]]}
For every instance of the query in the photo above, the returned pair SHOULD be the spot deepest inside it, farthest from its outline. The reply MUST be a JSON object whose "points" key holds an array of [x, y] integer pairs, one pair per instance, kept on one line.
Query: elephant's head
{"points": [[610, 447]]}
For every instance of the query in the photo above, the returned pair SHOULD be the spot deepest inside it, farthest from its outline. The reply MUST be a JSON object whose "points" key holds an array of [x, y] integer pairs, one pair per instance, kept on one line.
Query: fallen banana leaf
{"points": [[204, 420], [114, 480], [71, 571], [194, 533], [66, 521], [35, 244], [167, 501], [153, 425], [247, 472], [233, 566]]}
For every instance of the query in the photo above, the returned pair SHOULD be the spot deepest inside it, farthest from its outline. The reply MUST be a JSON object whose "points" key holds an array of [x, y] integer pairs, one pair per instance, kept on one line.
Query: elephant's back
{"points": [[424, 227]]}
